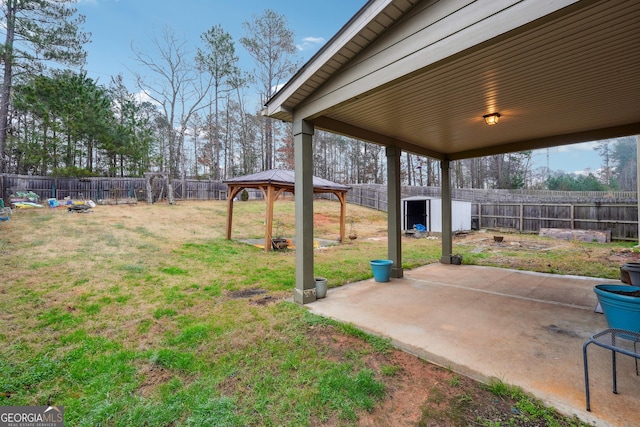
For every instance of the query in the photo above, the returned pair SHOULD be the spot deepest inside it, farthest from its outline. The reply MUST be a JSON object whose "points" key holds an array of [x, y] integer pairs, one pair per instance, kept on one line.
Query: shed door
{"points": [[416, 212]]}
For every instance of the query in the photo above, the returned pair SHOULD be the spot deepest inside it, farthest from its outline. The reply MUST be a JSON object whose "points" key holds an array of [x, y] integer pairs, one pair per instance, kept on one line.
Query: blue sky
{"points": [[569, 158], [116, 25]]}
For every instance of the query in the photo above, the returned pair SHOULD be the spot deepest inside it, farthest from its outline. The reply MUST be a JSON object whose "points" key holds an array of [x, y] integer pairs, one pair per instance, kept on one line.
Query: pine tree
{"points": [[37, 32]]}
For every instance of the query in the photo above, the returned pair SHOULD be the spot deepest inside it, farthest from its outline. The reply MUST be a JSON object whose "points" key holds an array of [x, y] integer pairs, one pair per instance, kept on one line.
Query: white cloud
{"points": [[278, 87], [310, 43], [583, 146], [143, 96], [94, 2]]}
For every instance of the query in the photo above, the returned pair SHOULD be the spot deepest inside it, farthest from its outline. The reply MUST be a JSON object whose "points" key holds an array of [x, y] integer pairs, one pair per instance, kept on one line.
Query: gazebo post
{"points": [[268, 229], [233, 190], [342, 197], [272, 184]]}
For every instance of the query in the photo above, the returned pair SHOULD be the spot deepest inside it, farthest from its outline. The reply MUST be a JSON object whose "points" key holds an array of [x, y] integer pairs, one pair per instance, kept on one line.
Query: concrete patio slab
{"points": [[524, 328]]}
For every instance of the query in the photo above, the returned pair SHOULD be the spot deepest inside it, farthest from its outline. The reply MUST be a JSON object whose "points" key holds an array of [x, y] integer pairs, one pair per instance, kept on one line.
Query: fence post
{"points": [[521, 217], [572, 216]]}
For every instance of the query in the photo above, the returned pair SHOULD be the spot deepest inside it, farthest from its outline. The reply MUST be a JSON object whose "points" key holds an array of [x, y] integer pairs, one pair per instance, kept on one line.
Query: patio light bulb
{"points": [[491, 119]]}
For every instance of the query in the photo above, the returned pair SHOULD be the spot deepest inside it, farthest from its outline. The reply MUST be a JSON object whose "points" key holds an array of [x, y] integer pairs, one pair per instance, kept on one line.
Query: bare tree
{"points": [[177, 86], [197, 125], [624, 160], [270, 42], [238, 83], [220, 60], [604, 149]]}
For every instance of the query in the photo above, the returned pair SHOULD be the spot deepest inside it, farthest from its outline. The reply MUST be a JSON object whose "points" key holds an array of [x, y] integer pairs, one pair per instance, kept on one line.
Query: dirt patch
{"points": [[256, 296], [418, 393], [406, 388], [246, 293], [320, 219], [513, 242], [263, 301], [624, 255], [154, 376]]}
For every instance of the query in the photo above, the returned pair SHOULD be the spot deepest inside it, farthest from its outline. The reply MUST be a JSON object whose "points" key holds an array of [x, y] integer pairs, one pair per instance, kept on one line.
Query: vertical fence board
{"points": [[530, 210], [521, 210]]}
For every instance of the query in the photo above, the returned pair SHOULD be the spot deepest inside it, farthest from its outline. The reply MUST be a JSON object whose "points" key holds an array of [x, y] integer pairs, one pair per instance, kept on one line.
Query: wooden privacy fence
{"points": [[371, 196], [620, 219], [110, 189], [519, 210], [527, 211]]}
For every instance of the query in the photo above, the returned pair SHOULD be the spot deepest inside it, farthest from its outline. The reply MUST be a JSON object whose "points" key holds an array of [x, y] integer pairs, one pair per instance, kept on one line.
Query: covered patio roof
{"points": [[419, 75], [272, 183]]}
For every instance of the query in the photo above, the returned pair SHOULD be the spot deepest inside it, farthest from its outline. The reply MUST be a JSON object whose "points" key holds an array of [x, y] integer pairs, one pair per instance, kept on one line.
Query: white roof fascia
{"points": [[348, 32]]}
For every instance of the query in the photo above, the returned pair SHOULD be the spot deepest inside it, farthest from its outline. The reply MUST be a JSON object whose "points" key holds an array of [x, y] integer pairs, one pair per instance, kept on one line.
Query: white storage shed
{"points": [[428, 212]]}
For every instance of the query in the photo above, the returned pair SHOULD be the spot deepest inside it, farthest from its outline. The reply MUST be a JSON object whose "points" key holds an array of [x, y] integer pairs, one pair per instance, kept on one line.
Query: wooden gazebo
{"points": [[273, 183]]}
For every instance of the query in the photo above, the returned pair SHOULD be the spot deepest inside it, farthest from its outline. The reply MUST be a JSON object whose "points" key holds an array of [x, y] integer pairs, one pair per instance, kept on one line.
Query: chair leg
{"points": [[635, 350], [586, 375], [613, 365]]}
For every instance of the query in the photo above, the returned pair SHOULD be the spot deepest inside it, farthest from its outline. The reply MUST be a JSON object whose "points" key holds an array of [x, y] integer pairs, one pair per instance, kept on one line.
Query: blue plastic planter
{"points": [[381, 269], [621, 311]]}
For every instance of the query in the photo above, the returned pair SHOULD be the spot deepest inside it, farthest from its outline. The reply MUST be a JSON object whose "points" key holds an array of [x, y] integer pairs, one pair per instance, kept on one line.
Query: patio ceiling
{"points": [[421, 74]]}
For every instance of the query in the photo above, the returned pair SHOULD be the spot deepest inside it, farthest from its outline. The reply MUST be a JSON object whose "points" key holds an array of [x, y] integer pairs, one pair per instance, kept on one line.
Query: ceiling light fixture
{"points": [[491, 119]]}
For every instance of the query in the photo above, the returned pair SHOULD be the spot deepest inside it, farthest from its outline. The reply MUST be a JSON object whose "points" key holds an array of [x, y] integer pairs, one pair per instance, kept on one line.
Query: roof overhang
{"points": [[285, 180], [421, 74]]}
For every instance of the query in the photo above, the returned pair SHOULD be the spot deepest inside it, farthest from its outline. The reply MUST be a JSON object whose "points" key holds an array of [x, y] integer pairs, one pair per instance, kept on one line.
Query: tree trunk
{"points": [[216, 139], [6, 80], [89, 163], [268, 144]]}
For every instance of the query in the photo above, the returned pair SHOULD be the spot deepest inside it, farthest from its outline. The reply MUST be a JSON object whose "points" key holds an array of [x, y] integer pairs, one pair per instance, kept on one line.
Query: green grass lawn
{"points": [[125, 323], [147, 316]]}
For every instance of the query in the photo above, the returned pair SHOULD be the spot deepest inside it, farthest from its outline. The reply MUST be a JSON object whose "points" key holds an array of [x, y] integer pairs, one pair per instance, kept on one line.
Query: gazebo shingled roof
{"points": [[284, 178], [272, 183]]}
